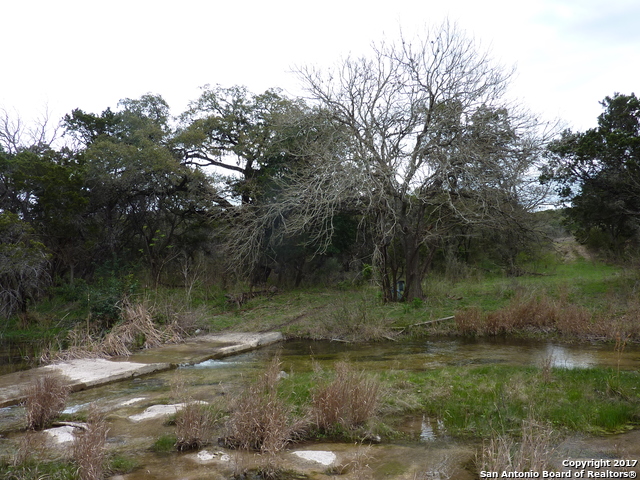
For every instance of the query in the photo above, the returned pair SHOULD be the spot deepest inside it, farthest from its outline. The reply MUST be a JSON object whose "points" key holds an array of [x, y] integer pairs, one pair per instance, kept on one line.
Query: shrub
{"points": [[469, 321], [45, 399], [164, 444]]}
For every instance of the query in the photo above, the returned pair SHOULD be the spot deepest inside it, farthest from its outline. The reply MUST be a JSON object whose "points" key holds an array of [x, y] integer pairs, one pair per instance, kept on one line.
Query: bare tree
{"points": [[430, 143], [16, 134]]}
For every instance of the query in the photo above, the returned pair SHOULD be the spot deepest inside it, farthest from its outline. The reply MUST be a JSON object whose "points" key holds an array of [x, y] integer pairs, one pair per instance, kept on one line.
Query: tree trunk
{"points": [[413, 271]]}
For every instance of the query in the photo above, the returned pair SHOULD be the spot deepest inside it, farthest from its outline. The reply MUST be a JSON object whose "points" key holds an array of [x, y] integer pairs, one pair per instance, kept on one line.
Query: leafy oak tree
{"points": [[144, 203], [599, 172]]}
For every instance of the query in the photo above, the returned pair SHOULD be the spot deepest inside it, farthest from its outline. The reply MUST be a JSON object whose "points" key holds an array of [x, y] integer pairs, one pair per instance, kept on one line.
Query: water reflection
{"points": [[435, 353], [431, 429]]}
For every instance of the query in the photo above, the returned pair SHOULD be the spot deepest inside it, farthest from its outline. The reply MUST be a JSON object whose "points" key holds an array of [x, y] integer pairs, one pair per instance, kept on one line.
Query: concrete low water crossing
{"points": [[84, 373]]}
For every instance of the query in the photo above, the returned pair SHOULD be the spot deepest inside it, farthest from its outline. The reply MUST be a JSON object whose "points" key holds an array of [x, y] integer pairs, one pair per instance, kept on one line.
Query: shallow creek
{"points": [[427, 452]]}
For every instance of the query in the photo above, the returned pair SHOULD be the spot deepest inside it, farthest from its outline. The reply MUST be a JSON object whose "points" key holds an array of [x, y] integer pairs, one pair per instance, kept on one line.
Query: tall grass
{"points": [[137, 329], [261, 420], [545, 315], [45, 398], [353, 316], [532, 453], [347, 401], [88, 451], [194, 426]]}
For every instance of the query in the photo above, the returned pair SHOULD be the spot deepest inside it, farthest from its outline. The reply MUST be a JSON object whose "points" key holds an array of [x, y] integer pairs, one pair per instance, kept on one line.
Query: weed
{"points": [[164, 444], [351, 317], [88, 450], [469, 321], [194, 424], [357, 465], [31, 446], [531, 454], [121, 465], [546, 368], [349, 400], [262, 420], [50, 470], [136, 330], [45, 399]]}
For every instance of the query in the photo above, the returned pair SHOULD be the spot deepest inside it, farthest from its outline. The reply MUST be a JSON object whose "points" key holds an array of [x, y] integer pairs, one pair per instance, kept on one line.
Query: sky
{"points": [[58, 55]]}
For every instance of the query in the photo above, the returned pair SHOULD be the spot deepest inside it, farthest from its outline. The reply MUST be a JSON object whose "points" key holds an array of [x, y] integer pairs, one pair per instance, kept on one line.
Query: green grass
{"points": [[477, 401], [164, 444], [38, 470], [358, 313], [121, 465]]}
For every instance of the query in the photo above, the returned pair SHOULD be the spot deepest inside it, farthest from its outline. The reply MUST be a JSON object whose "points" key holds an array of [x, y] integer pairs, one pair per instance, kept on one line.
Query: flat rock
{"points": [[319, 456], [207, 456], [96, 371], [61, 434], [155, 411]]}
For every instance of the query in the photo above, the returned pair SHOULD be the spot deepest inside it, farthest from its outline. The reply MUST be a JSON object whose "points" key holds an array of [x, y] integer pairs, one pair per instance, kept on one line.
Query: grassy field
{"points": [[580, 300]]}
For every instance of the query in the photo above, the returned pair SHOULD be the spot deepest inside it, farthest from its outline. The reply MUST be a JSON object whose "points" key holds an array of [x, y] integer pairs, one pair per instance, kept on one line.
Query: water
{"points": [[435, 353], [428, 445], [16, 356]]}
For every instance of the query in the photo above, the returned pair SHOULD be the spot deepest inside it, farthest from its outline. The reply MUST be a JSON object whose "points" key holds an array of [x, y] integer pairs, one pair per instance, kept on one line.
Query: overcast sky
{"points": [[569, 54]]}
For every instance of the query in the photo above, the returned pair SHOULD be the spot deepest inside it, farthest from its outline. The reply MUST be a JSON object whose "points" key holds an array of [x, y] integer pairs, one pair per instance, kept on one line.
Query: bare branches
{"points": [[16, 135], [432, 140]]}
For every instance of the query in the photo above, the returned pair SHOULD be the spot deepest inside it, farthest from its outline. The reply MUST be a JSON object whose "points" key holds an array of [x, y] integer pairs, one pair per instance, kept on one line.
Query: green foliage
{"points": [[479, 401], [105, 296], [51, 470], [164, 444], [599, 171], [23, 265], [122, 464]]}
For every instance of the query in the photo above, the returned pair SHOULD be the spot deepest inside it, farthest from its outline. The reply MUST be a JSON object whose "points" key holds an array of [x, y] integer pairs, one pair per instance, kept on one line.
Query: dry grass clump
{"points": [[261, 420], [32, 445], [538, 314], [356, 466], [531, 454], [136, 330], [88, 451], [351, 317], [45, 399], [194, 426], [469, 321], [347, 401]]}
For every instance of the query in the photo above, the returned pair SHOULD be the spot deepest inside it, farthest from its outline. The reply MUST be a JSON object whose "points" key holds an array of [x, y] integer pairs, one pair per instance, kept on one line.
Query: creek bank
{"points": [[84, 373]]}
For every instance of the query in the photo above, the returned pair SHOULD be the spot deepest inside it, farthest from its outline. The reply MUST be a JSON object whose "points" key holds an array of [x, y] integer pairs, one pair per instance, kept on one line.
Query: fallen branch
{"points": [[402, 329], [432, 321]]}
